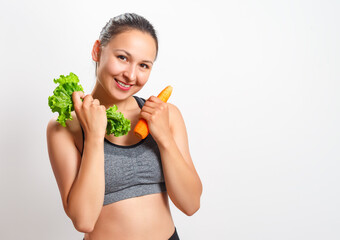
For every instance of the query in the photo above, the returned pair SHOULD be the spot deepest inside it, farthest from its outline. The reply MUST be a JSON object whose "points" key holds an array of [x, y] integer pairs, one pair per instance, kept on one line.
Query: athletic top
{"points": [[132, 171]]}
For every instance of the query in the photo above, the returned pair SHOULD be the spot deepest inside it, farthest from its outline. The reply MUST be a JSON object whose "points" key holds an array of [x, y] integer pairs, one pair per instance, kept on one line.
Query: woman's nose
{"points": [[130, 73]]}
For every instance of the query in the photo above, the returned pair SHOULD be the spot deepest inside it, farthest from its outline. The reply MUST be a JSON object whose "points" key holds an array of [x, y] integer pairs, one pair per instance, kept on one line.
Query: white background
{"points": [[256, 81]]}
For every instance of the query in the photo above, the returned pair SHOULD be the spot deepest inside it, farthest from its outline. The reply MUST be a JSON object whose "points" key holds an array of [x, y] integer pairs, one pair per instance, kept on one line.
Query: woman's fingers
{"points": [[91, 115], [96, 102], [145, 115], [76, 98], [154, 110], [148, 109], [155, 99], [153, 106], [150, 104], [88, 99], [154, 102], [156, 113]]}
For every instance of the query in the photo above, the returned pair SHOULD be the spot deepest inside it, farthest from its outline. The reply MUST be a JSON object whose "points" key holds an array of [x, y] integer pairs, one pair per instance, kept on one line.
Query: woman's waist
{"points": [[133, 218]]}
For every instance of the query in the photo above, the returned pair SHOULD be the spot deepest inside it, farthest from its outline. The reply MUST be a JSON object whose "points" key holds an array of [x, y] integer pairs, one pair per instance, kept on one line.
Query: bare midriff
{"points": [[142, 218]]}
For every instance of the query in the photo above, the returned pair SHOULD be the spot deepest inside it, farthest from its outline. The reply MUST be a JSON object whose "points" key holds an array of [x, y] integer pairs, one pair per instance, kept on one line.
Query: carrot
{"points": [[141, 129]]}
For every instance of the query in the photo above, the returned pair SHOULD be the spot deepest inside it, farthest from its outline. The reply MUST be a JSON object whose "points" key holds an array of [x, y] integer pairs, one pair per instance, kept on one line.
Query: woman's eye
{"points": [[144, 66], [122, 57]]}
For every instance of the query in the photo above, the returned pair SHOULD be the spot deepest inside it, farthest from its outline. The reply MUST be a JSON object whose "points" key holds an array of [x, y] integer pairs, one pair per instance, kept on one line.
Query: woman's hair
{"points": [[126, 22]]}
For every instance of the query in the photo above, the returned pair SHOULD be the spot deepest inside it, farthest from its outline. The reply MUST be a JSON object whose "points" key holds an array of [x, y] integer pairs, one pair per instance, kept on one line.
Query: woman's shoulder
{"points": [[71, 132], [174, 110], [72, 126], [175, 115]]}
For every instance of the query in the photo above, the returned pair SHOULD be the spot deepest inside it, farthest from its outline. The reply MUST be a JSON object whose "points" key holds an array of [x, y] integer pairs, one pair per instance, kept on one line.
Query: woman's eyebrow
{"points": [[129, 54]]}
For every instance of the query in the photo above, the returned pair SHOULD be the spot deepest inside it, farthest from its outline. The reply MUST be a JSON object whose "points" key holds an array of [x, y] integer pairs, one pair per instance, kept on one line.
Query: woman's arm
{"points": [[167, 126], [81, 180]]}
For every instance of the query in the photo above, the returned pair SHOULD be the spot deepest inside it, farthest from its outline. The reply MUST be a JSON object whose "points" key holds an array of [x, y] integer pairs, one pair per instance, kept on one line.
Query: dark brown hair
{"points": [[125, 22]]}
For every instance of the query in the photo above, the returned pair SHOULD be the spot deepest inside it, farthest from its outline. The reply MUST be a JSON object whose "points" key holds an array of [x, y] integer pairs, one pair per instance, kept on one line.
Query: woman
{"points": [[118, 187]]}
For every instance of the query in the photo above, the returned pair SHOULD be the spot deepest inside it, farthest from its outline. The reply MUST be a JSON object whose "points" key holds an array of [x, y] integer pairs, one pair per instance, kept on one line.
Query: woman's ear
{"points": [[96, 51]]}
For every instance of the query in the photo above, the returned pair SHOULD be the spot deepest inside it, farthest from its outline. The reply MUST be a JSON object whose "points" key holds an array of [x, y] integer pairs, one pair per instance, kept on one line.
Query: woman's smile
{"points": [[122, 85]]}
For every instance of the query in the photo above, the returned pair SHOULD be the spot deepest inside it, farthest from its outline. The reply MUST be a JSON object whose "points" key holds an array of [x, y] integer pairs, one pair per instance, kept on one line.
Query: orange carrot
{"points": [[165, 94], [142, 130]]}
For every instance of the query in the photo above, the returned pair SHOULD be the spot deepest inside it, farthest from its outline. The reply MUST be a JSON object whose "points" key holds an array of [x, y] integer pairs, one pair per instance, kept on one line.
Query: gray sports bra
{"points": [[132, 171]]}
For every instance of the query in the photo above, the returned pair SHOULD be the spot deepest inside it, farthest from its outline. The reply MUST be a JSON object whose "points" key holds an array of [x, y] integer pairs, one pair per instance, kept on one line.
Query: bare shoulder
{"points": [[176, 119], [72, 131], [175, 113], [54, 127]]}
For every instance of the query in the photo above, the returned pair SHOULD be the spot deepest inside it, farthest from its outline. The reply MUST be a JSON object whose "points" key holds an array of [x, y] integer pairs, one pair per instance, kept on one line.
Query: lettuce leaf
{"points": [[116, 123], [61, 102]]}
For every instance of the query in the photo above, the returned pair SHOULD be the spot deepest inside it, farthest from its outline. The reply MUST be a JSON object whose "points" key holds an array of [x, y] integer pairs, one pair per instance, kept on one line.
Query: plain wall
{"points": [[256, 81]]}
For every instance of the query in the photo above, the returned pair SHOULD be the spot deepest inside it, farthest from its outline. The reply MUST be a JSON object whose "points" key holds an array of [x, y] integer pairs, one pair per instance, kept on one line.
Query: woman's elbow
{"points": [[195, 206], [83, 226], [192, 210], [82, 223]]}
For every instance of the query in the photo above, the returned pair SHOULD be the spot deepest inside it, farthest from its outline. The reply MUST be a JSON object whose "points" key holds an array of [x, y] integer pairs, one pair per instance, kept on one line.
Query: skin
{"points": [[128, 57]]}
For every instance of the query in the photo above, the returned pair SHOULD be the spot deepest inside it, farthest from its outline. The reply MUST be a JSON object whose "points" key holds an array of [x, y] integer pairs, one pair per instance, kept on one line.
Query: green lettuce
{"points": [[116, 123], [61, 102]]}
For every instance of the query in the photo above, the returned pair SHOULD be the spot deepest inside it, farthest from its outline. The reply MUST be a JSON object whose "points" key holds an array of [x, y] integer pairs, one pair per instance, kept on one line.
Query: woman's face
{"points": [[125, 63]]}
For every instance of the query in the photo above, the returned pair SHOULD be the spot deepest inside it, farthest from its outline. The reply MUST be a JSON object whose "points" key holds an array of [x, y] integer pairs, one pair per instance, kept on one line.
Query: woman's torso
{"points": [[144, 217]]}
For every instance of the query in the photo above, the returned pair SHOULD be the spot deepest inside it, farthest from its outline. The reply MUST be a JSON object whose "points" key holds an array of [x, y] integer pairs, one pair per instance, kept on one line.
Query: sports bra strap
{"points": [[140, 101]]}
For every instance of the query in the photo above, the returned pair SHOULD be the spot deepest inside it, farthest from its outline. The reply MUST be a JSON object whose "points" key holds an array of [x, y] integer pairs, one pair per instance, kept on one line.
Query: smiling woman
{"points": [[118, 187]]}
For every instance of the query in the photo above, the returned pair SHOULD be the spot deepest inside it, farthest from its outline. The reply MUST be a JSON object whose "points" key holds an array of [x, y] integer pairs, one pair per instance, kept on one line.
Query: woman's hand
{"points": [[91, 115], [156, 113]]}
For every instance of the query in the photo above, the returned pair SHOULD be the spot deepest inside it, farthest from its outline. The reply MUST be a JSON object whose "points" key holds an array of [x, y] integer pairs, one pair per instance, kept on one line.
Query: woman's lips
{"points": [[122, 85]]}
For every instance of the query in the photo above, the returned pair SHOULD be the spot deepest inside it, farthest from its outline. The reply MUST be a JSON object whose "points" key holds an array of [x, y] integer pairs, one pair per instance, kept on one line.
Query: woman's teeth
{"points": [[122, 84]]}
